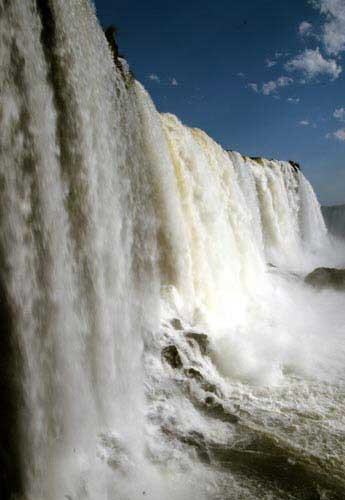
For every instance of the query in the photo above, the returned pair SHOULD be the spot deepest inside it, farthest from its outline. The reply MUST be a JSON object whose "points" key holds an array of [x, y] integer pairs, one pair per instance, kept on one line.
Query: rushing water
{"points": [[115, 221]]}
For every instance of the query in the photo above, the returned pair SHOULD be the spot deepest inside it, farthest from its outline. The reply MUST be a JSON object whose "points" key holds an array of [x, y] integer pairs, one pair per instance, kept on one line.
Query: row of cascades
{"points": [[137, 259]]}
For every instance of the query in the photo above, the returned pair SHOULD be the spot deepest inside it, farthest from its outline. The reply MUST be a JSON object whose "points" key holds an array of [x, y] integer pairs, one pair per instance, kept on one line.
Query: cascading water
{"points": [[123, 233], [74, 195]]}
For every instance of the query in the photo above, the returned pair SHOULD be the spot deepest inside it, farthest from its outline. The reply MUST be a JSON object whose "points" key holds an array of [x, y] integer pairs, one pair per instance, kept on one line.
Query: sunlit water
{"points": [[116, 220]]}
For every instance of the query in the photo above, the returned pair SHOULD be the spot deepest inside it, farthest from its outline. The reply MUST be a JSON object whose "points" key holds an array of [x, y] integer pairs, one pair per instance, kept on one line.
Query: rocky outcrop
{"points": [[176, 324], [171, 355], [11, 397], [200, 339], [296, 166], [327, 277], [257, 159]]}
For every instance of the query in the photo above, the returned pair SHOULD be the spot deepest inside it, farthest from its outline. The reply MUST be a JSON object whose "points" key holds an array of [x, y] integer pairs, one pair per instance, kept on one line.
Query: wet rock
{"points": [[327, 277], [171, 355], [176, 323], [195, 440], [296, 166], [200, 338], [12, 402], [206, 386], [193, 373], [216, 410], [257, 159], [279, 467]]}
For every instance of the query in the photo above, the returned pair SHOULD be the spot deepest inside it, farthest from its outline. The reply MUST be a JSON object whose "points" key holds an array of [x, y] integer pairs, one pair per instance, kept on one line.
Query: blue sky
{"points": [[263, 77]]}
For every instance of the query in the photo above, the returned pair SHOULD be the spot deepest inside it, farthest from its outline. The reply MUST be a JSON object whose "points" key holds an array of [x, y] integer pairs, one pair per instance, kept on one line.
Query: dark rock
{"points": [[206, 386], [193, 373], [12, 402], [296, 166], [200, 338], [327, 277], [176, 323], [172, 356], [257, 159], [216, 410], [194, 439], [278, 466], [197, 441]]}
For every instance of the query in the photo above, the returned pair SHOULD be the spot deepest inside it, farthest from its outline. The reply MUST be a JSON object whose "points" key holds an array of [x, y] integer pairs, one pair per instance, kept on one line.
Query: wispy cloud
{"points": [[270, 63], [241, 75], [293, 100], [339, 114], [340, 134], [154, 78], [312, 64], [269, 87], [254, 87], [304, 123], [333, 31], [305, 28], [272, 86], [174, 82]]}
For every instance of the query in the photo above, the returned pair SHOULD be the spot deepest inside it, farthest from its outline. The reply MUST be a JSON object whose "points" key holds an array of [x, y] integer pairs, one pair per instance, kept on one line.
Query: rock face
{"points": [[11, 397], [326, 277], [176, 324], [296, 166], [172, 356], [335, 219], [201, 340]]}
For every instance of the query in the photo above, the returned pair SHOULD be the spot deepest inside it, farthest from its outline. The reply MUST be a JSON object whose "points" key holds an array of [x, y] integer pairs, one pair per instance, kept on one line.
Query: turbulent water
{"points": [[158, 339]]}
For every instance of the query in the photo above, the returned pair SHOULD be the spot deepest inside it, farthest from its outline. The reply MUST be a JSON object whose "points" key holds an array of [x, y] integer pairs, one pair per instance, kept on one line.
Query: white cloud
{"points": [[340, 134], [339, 114], [333, 32], [270, 63], [293, 100], [241, 75], [304, 123], [254, 87], [284, 81], [312, 64], [305, 28], [155, 78], [271, 87], [174, 82]]}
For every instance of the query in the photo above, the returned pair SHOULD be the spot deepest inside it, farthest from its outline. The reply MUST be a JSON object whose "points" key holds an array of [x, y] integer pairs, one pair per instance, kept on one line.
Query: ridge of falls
{"points": [[114, 221]]}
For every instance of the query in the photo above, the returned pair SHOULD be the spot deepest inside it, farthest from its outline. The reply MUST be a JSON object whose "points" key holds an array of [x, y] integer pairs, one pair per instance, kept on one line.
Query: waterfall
{"points": [[78, 243], [113, 219]]}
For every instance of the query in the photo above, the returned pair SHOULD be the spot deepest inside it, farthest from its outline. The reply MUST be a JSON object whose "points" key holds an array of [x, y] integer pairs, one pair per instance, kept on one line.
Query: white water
{"points": [[115, 219]]}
